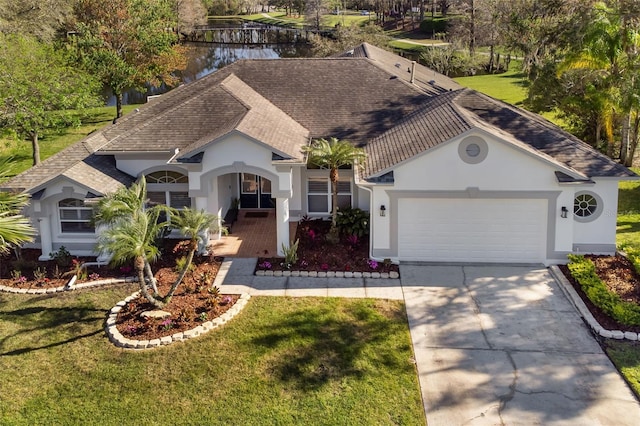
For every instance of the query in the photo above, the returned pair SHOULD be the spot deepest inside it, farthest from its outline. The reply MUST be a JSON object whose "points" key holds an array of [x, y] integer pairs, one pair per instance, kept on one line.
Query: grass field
{"points": [[510, 86], [280, 361], [20, 153], [328, 21]]}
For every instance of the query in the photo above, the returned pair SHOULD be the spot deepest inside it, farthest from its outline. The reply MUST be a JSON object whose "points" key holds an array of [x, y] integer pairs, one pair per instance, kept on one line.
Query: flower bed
{"points": [[28, 272], [316, 254]]}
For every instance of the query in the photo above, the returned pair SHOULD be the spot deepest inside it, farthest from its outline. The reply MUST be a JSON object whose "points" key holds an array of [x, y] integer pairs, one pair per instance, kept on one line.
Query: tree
{"points": [[189, 14], [40, 88], [15, 229], [332, 155], [128, 43], [314, 12], [42, 19], [132, 231], [346, 38], [608, 58]]}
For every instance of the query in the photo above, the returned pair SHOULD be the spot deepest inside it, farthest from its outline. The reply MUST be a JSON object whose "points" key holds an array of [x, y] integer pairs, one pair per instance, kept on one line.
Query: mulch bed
{"points": [[619, 275], [53, 274], [191, 305], [315, 253]]}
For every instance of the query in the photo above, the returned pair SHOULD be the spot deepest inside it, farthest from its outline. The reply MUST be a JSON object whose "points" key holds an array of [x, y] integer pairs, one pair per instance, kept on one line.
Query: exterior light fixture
{"points": [[383, 210], [563, 212]]}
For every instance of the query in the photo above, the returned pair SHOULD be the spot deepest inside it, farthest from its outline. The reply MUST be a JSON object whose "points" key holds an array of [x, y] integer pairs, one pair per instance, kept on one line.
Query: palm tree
{"points": [[332, 155], [15, 229], [193, 224], [605, 53], [132, 231], [133, 239]]}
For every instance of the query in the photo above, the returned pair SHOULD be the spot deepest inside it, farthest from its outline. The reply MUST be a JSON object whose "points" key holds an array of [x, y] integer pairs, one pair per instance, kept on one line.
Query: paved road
{"points": [[499, 345]]}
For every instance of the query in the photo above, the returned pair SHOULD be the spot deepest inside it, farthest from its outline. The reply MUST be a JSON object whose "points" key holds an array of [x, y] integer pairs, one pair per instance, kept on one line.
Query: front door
{"points": [[255, 192]]}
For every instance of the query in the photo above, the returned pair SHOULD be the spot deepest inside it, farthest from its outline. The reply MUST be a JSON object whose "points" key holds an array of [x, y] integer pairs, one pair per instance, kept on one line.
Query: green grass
{"points": [[328, 21], [510, 87], [291, 361], [626, 356], [628, 233], [51, 142]]}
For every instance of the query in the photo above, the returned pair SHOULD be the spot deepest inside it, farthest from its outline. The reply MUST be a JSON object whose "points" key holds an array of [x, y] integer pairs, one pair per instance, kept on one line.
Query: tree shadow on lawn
{"points": [[314, 349], [61, 322], [625, 227]]}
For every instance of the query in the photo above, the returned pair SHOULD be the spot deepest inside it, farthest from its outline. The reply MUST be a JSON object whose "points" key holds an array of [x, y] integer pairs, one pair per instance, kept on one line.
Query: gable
{"points": [[501, 166]]}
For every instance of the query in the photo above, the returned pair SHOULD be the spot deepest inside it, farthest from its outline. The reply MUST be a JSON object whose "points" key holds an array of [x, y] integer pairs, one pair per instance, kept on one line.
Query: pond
{"points": [[205, 58]]}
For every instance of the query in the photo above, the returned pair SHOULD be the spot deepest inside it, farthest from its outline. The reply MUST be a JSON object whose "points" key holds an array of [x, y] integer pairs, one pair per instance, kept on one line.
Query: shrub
{"points": [[584, 272], [62, 257], [353, 221], [290, 254]]}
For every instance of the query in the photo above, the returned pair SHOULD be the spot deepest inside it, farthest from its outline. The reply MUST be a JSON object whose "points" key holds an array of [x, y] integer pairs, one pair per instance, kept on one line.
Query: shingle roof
{"points": [[425, 78], [450, 114], [437, 121], [541, 135], [262, 121], [78, 163], [364, 97]]}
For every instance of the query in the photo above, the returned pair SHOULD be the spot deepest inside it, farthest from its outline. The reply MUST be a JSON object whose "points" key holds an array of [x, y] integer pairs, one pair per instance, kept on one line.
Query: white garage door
{"points": [[472, 230]]}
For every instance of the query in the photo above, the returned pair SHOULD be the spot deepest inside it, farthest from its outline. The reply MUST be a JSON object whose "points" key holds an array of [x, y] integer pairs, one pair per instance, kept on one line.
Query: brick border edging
{"points": [[122, 342], [573, 296], [328, 274], [71, 285]]}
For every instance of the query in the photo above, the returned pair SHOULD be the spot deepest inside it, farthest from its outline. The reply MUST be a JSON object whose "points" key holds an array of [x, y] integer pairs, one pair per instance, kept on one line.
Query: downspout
{"points": [[371, 234]]}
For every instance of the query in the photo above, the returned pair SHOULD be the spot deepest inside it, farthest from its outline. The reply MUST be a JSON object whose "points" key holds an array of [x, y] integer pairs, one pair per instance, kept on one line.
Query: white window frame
{"points": [[168, 182], [78, 209], [327, 192]]}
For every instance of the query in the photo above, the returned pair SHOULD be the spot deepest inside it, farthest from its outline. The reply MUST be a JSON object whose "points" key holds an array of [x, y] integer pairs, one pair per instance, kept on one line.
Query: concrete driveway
{"points": [[502, 345]]}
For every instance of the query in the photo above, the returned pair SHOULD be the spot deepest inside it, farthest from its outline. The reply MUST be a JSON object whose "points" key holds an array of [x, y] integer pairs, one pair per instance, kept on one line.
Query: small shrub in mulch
{"points": [[315, 253]]}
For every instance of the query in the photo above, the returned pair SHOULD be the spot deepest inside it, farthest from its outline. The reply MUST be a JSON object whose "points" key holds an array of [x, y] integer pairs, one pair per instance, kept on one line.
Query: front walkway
{"points": [[252, 236], [236, 277]]}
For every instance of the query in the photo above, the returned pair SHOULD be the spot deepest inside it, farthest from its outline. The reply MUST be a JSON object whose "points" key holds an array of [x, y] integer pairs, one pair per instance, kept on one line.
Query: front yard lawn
{"points": [[280, 361]]}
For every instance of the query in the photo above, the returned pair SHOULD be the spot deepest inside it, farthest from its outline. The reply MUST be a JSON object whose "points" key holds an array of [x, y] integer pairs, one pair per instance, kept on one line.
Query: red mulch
{"points": [[619, 275], [191, 305], [53, 274], [315, 253]]}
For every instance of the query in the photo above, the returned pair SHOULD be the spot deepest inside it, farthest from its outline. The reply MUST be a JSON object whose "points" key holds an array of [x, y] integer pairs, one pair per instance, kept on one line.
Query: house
{"points": [[451, 175]]}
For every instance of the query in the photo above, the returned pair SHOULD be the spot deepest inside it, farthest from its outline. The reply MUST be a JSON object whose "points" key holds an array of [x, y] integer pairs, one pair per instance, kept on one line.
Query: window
{"points": [[175, 199], [75, 217], [168, 188], [587, 206], [319, 194], [166, 176]]}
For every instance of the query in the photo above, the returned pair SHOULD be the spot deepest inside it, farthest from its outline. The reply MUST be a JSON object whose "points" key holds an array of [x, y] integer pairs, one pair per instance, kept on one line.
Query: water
{"points": [[205, 58]]}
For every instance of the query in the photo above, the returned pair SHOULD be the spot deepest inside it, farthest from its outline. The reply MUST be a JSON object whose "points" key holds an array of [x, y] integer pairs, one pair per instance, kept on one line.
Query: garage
{"points": [[472, 230]]}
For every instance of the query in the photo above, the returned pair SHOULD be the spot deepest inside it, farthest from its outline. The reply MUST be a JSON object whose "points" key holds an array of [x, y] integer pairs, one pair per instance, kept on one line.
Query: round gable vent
{"points": [[473, 149]]}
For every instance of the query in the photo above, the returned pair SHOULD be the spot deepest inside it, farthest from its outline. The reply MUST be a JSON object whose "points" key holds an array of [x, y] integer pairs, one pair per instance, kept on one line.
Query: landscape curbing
{"points": [[123, 342], [571, 294], [71, 285], [328, 274]]}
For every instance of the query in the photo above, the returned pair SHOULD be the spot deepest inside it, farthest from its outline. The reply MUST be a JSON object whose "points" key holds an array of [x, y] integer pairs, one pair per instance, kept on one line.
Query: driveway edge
{"points": [[576, 300]]}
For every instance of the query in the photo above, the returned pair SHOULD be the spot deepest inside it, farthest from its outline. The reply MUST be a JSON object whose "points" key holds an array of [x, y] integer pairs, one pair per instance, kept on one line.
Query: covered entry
{"points": [[255, 192]]}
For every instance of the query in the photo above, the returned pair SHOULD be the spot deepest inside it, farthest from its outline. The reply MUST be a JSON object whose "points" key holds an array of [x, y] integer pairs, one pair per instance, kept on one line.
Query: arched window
{"points": [[169, 188], [75, 217]]}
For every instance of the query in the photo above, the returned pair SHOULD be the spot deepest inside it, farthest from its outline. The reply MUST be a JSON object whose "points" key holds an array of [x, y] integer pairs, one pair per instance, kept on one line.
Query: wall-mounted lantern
{"points": [[564, 212], [383, 210]]}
